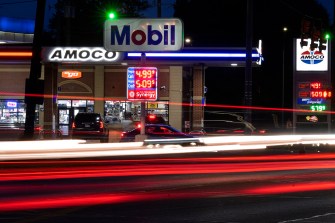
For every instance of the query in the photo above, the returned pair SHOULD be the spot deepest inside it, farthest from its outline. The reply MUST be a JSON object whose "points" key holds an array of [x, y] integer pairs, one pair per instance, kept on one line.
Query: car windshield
{"points": [[87, 117]]}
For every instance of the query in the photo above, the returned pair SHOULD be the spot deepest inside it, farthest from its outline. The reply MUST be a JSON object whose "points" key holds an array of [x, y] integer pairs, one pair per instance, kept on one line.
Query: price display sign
{"points": [[142, 83]]}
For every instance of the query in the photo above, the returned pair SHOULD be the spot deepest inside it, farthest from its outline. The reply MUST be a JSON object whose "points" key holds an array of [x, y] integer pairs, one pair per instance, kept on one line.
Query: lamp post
{"points": [[283, 79]]}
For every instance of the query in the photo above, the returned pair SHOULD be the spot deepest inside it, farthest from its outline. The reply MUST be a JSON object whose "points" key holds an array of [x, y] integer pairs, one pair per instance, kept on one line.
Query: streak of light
{"points": [[83, 194], [297, 157], [61, 201], [291, 188], [158, 169], [54, 149], [225, 106]]}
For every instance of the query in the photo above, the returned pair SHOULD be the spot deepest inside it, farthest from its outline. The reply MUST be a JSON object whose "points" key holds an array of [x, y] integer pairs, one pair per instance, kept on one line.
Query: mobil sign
{"points": [[143, 35]]}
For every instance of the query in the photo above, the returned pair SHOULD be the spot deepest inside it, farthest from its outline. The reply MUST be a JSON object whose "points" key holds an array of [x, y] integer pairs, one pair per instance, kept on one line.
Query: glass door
{"points": [[64, 120]]}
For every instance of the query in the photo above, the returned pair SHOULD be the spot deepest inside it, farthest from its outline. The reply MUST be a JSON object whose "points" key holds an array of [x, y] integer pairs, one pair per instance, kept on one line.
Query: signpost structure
{"points": [[312, 89], [143, 35]]}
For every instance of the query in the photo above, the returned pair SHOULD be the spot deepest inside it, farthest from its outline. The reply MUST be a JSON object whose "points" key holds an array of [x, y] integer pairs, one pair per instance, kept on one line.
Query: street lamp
{"points": [[283, 78], [188, 41]]}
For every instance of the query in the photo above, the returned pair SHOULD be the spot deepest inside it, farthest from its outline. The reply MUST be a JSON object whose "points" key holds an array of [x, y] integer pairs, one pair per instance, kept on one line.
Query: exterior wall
{"points": [[12, 80], [115, 83], [163, 83], [83, 87]]}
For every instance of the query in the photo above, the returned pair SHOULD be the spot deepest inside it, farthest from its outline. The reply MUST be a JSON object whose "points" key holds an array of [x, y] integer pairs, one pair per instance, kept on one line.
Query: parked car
{"points": [[154, 131], [89, 126]]}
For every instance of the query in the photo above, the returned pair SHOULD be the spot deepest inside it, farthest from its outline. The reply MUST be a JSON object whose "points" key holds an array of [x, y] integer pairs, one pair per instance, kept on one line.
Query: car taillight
{"points": [[37, 128], [152, 117], [73, 125], [263, 131], [138, 125], [101, 125], [122, 134]]}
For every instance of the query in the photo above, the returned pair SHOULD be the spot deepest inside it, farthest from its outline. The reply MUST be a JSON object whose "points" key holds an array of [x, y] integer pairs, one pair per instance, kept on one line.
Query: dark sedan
{"points": [[89, 126]]}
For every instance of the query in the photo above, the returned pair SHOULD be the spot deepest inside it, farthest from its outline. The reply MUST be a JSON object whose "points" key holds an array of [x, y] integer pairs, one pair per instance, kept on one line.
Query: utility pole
{"points": [[35, 87], [248, 62]]}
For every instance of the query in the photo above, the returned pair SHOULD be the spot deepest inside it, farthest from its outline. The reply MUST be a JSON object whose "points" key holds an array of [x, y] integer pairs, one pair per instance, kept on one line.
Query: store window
{"points": [[159, 108], [125, 110], [12, 111], [116, 111]]}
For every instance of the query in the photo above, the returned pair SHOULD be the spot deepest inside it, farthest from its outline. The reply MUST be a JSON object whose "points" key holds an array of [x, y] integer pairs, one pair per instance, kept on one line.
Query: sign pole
{"points": [[143, 104]]}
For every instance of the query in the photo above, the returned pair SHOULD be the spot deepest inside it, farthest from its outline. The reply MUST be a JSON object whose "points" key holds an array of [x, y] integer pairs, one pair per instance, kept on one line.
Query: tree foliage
{"points": [[81, 22]]}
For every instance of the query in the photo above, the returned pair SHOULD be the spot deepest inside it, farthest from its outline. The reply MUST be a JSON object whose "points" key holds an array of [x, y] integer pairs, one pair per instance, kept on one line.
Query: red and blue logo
{"points": [[312, 57]]}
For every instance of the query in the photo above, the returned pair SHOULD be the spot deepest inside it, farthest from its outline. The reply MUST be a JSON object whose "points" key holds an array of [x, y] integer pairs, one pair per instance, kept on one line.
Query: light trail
{"points": [[224, 106], [15, 197], [156, 169], [54, 149]]}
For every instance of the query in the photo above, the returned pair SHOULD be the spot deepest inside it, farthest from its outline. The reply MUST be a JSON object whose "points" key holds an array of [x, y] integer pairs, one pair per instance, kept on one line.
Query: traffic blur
{"points": [[54, 149], [50, 184]]}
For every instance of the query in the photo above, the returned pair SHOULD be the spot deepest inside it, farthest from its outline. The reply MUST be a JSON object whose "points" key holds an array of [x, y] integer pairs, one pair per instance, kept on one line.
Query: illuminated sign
{"points": [[321, 94], [304, 94], [315, 85], [304, 85], [142, 83], [143, 35], [313, 92], [312, 118], [80, 54], [312, 57], [306, 101], [216, 55], [318, 107], [307, 60], [71, 74], [11, 104]]}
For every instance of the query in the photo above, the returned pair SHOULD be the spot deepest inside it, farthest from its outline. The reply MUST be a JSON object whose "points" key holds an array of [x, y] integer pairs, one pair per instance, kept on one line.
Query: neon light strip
{"points": [[194, 55], [16, 54]]}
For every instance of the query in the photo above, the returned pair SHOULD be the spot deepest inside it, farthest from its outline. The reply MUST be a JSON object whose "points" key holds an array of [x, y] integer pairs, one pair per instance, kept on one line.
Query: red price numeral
{"points": [[145, 83]]}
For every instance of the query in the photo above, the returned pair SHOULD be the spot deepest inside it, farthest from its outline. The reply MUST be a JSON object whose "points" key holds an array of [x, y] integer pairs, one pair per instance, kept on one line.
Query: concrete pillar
{"points": [[198, 89], [99, 91], [176, 96], [50, 112]]}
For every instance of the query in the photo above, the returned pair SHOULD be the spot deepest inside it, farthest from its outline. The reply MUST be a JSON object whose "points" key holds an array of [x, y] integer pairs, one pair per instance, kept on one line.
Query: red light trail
{"points": [[158, 179], [223, 106]]}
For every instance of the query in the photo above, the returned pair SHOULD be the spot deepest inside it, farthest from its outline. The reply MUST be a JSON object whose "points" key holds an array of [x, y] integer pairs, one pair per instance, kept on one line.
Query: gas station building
{"points": [[92, 79]]}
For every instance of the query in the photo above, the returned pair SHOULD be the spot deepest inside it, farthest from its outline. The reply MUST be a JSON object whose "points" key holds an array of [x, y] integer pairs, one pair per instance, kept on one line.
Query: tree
{"points": [[81, 22]]}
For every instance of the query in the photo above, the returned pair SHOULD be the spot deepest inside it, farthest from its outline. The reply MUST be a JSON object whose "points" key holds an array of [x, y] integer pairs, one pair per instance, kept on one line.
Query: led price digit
{"points": [[145, 83], [145, 73], [318, 107], [321, 94], [315, 85]]}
